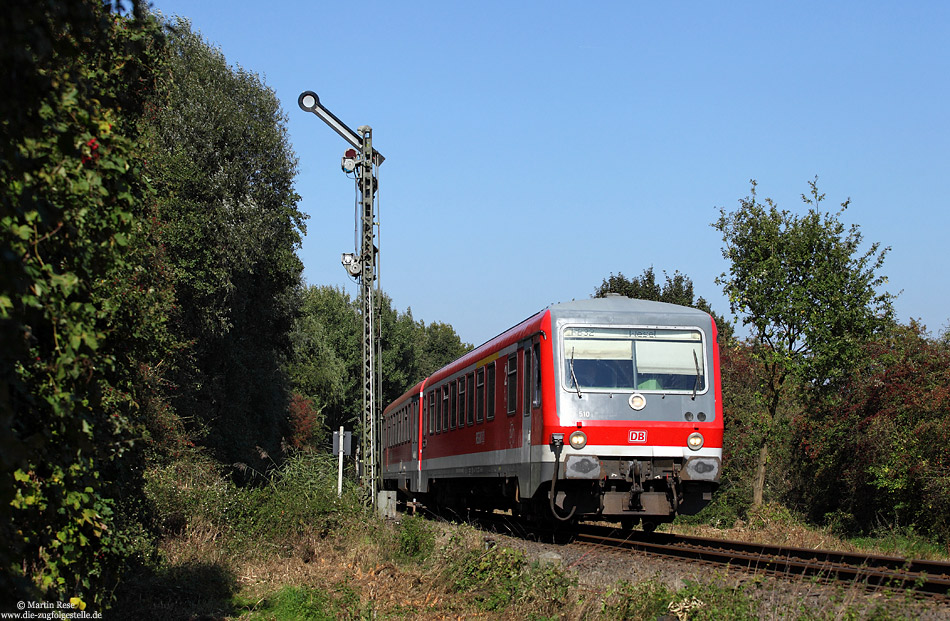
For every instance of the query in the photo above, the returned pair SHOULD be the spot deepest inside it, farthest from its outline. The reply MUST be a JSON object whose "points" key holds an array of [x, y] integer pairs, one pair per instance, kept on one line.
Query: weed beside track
{"points": [[289, 550]]}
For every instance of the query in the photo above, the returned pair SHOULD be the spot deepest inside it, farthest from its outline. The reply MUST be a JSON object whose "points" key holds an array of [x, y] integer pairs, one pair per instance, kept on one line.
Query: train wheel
{"points": [[649, 526]]}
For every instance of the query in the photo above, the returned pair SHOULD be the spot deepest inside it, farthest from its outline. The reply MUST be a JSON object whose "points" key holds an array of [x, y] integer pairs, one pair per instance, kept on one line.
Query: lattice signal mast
{"points": [[362, 160]]}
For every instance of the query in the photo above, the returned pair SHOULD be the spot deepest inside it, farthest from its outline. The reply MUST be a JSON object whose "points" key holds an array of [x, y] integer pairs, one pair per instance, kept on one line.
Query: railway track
{"points": [[926, 578], [930, 578]]}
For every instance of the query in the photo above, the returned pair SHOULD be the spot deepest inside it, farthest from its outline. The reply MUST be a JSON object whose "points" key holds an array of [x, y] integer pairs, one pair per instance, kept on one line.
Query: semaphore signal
{"points": [[362, 160]]}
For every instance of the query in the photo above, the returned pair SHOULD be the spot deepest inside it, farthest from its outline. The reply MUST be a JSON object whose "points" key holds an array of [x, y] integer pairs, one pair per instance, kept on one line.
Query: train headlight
{"points": [[578, 440], [637, 401], [695, 441]]}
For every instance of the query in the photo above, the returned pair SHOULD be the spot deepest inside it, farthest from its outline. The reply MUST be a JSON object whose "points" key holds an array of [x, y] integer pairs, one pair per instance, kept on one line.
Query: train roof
{"points": [[623, 304], [609, 305]]}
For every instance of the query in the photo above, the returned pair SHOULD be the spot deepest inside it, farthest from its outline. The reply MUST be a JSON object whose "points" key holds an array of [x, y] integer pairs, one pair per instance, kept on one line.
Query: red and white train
{"points": [[607, 408]]}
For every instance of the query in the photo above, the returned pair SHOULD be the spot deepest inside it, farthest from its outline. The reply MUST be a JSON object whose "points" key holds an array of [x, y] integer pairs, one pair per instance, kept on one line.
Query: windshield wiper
{"points": [[699, 376], [574, 377]]}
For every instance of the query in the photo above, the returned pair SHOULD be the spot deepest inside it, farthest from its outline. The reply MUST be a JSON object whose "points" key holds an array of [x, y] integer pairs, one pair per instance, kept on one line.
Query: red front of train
{"points": [[607, 408]]}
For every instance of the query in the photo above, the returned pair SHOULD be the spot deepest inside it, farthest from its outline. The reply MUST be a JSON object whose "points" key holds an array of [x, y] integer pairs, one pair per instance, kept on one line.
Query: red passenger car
{"points": [[607, 408]]}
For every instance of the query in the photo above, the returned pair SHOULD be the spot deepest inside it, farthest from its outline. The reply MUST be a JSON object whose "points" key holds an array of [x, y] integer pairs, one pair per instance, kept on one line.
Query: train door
{"points": [[426, 429], [531, 408], [413, 429]]}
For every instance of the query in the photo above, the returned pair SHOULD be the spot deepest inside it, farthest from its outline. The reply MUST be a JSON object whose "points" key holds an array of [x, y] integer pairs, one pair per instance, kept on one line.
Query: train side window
{"points": [[462, 401], [470, 405], [490, 386], [453, 405], [431, 411], [536, 398], [480, 395], [526, 405], [445, 407], [511, 383]]}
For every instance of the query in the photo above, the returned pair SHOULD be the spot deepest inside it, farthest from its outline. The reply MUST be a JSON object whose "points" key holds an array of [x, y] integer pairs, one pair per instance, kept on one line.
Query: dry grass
{"points": [[774, 525], [356, 566], [358, 559], [774, 533], [328, 563]]}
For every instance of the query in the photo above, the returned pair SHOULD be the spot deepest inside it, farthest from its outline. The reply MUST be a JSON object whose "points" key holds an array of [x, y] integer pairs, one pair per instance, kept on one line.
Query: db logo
{"points": [[637, 437]]}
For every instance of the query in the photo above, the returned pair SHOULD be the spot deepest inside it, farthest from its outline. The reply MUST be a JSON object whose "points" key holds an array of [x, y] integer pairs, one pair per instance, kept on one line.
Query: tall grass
{"points": [[289, 548]]}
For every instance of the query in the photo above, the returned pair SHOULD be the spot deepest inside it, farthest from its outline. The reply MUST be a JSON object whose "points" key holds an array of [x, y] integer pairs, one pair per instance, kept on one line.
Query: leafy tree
{"points": [[437, 345], [875, 452], [223, 167], [81, 316], [806, 292], [398, 362], [676, 289], [328, 355]]}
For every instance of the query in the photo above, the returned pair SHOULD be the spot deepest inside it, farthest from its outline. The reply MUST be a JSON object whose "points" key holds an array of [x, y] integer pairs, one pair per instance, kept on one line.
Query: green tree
{"points": [[437, 345], [873, 449], [223, 168], [328, 356], [806, 292], [82, 297], [676, 289]]}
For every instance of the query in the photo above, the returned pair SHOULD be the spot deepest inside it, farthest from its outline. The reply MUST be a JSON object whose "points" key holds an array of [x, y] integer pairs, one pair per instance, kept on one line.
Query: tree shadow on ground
{"points": [[192, 590]]}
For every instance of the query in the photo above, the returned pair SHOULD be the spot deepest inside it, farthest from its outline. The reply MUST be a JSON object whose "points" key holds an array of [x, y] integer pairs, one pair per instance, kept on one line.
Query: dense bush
{"points": [[500, 577], [873, 455], [415, 539], [82, 300], [195, 492]]}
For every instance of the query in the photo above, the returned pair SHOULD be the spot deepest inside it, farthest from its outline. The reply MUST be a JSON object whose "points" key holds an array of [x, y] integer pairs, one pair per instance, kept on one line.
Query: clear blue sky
{"points": [[532, 148]]}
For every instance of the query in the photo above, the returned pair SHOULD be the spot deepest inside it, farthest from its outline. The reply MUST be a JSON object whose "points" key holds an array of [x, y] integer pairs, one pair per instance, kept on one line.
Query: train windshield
{"points": [[647, 359]]}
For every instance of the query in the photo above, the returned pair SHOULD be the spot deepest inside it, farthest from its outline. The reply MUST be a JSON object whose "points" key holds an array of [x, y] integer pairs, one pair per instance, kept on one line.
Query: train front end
{"points": [[637, 431]]}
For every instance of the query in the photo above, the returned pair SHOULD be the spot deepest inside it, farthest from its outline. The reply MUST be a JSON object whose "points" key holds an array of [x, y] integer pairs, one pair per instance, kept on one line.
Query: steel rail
{"points": [[926, 577]]}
